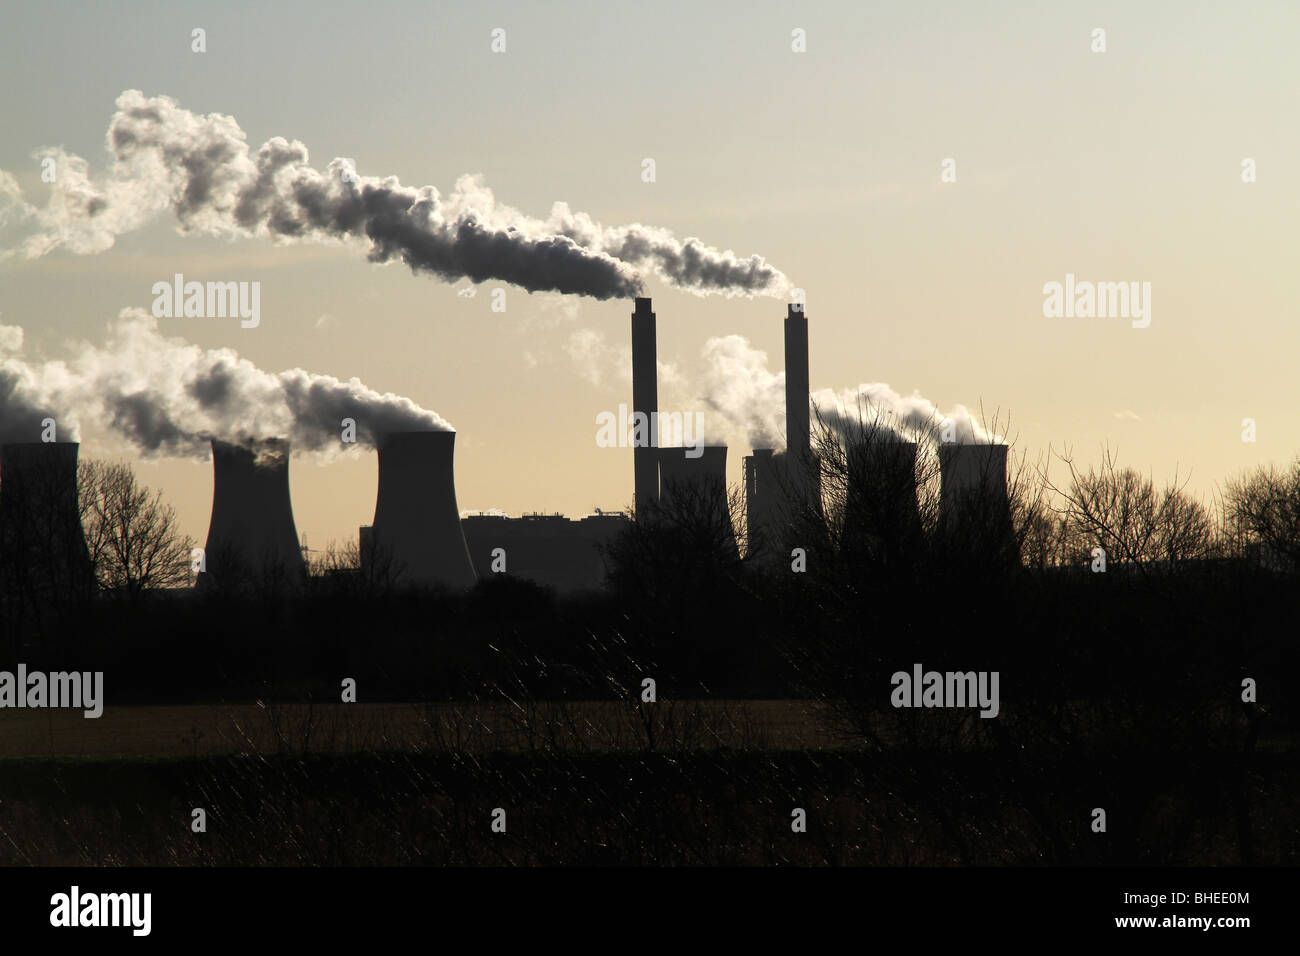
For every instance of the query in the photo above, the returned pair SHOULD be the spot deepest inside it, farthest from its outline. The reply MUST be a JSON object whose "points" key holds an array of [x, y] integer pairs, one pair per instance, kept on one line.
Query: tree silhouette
{"points": [[132, 536], [1262, 512], [1142, 528]]}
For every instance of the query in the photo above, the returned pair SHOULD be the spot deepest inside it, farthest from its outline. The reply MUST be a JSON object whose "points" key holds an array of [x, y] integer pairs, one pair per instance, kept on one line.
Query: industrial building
{"points": [[418, 537], [549, 549]]}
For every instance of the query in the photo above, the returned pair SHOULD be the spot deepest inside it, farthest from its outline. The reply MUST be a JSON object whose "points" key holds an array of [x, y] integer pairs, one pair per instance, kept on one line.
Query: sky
{"points": [[1119, 166]]}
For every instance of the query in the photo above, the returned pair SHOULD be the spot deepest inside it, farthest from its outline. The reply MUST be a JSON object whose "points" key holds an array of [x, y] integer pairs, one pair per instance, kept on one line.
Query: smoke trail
{"points": [[686, 264], [169, 398], [202, 169]]}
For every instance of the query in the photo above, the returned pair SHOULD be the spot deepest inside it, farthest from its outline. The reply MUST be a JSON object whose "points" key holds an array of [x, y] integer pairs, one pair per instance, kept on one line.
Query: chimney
{"points": [[973, 505], [796, 383], [645, 400], [417, 523], [801, 470], [40, 525], [696, 489], [251, 534]]}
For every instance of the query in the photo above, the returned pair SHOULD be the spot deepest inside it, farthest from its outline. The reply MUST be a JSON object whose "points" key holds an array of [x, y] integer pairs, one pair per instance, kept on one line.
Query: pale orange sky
{"points": [[1115, 166]]}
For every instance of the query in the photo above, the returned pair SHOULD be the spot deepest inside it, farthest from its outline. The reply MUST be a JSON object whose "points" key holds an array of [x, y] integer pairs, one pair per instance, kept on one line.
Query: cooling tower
{"points": [[645, 400], [251, 535], [42, 544], [417, 524], [975, 511], [881, 515], [693, 491]]}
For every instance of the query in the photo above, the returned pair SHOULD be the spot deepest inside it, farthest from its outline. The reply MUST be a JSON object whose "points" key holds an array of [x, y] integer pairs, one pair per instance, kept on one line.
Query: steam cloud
{"points": [[29, 393], [738, 386], [202, 168], [169, 398], [745, 399], [909, 417]]}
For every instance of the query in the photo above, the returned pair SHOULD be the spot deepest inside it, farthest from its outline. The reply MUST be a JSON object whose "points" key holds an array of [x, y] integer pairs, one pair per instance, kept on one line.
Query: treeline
{"points": [[1103, 584]]}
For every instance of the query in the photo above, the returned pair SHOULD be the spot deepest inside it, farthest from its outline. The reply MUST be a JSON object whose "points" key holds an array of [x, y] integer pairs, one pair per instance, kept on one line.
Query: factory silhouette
{"points": [[419, 537], [851, 554]]}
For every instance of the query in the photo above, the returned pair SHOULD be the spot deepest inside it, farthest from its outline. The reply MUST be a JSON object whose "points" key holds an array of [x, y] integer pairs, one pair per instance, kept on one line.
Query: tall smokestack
{"points": [[695, 490], [645, 400], [41, 539], [251, 533], [417, 523], [796, 383], [974, 507], [802, 471]]}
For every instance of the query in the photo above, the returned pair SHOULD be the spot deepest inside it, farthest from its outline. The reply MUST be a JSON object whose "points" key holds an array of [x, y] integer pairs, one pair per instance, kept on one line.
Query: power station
{"points": [[419, 539]]}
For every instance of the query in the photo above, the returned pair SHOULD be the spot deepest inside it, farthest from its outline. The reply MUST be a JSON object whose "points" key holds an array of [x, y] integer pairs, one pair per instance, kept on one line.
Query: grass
{"points": [[704, 808]]}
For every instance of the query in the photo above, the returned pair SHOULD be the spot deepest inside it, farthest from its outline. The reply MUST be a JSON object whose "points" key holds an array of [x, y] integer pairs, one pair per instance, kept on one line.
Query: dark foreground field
{"points": [[301, 728], [654, 803], [1159, 695]]}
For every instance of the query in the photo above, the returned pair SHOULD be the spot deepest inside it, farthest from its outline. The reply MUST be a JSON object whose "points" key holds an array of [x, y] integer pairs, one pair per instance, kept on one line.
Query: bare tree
{"points": [[686, 539], [1045, 542], [1138, 525], [1262, 511], [357, 568], [133, 537], [335, 559]]}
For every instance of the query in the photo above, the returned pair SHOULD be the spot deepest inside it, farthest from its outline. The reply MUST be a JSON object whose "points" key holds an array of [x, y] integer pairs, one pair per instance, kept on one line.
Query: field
{"points": [[604, 782], [209, 730]]}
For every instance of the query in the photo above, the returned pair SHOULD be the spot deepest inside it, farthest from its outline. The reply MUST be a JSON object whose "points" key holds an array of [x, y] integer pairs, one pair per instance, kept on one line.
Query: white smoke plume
{"points": [[202, 169], [910, 417], [738, 385], [169, 398], [744, 399], [605, 365], [30, 393]]}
